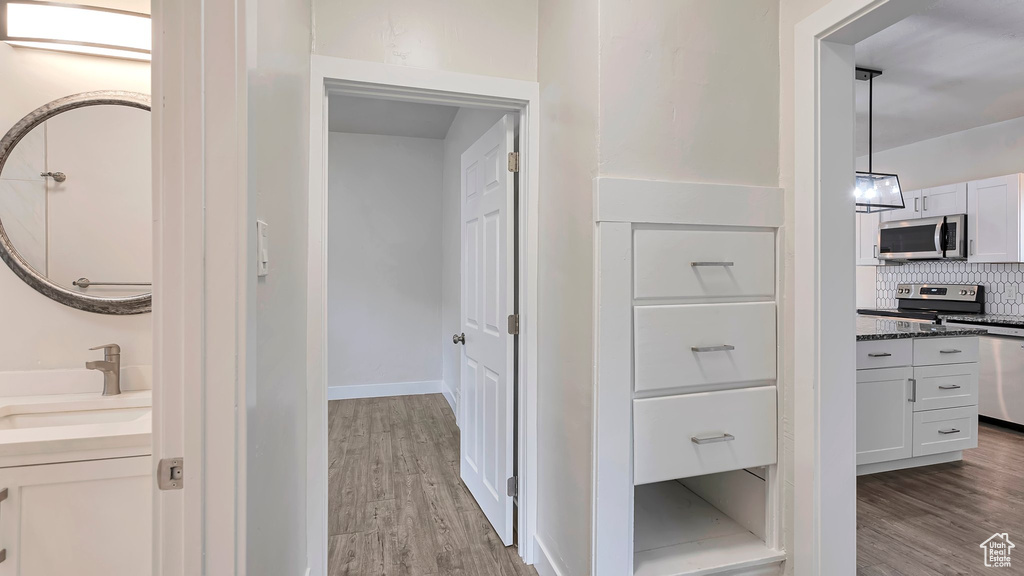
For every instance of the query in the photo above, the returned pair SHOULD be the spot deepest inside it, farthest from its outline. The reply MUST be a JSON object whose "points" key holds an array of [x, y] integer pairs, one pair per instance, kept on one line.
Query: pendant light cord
{"points": [[871, 118]]}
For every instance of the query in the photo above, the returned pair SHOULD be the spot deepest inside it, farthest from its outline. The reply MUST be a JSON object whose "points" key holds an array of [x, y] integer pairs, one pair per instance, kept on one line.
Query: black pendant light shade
{"points": [[875, 191]]}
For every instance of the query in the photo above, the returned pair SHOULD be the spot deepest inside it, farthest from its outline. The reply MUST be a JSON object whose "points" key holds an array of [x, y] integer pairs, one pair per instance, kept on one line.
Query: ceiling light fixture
{"points": [[874, 191], [75, 28]]}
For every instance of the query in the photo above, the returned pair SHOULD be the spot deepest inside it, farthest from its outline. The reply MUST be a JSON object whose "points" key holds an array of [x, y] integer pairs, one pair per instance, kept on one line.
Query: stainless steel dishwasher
{"points": [[1000, 372]]}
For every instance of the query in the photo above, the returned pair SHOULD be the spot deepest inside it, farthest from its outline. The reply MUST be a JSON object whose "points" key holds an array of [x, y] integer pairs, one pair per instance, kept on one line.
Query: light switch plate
{"points": [[262, 249]]}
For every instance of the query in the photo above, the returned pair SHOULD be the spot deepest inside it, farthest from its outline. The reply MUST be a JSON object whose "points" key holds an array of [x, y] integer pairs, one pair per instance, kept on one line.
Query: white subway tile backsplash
{"points": [[1004, 283]]}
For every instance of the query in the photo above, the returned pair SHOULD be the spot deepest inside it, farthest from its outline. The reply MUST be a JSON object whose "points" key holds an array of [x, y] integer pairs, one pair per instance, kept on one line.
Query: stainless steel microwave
{"points": [[944, 237]]}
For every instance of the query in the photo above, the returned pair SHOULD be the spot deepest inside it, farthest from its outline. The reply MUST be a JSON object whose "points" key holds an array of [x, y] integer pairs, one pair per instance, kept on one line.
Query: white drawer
{"points": [[929, 351], [675, 263], [945, 386], [949, 430], [679, 347], [696, 434], [885, 353]]}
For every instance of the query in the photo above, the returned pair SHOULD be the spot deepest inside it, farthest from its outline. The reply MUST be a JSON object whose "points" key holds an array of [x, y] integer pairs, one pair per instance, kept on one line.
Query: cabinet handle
{"points": [[915, 204], [878, 354], [3, 552], [924, 203], [950, 351], [950, 431], [876, 250], [722, 348], [950, 387], [971, 251], [913, 390], [712, 439], [723, 264]]}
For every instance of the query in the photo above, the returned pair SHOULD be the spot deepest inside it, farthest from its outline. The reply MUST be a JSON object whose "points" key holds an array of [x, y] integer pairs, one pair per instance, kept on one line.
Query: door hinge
{"points": [[513, 487], [170, 474], [513, 324], [513, 161]]}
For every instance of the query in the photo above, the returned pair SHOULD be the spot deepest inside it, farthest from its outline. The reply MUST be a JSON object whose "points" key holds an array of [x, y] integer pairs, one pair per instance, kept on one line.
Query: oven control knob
{"points": [[972, 292], [963, 292]]}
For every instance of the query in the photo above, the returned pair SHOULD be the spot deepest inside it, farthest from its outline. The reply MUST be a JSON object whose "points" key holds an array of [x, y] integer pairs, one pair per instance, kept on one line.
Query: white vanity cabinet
{"points": [[686, 423], [917, 401], [91, 518]]}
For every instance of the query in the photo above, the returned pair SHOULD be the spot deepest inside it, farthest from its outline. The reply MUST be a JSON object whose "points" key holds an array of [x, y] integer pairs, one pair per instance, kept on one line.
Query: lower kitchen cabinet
{"points": [[91, 518], [885, 416]]}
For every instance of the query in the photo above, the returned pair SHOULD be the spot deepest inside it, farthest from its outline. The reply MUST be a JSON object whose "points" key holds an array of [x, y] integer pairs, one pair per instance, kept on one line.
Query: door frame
{"points": [[329, 75], [825, 507]]}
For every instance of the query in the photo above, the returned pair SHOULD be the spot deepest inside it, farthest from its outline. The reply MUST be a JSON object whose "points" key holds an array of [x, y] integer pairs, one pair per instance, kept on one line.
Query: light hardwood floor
{"points": [[931, 521], [397, 505]]}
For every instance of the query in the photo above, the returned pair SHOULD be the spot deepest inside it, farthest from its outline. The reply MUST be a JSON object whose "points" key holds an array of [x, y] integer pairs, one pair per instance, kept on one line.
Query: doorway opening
{"points": [[422, 349]]}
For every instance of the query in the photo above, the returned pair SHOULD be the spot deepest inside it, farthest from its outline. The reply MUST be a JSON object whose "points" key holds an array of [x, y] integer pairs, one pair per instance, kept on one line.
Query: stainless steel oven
{"points": [[943, 237]]}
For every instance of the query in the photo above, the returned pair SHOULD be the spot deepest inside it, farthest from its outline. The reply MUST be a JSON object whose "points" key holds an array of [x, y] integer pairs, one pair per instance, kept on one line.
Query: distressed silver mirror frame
{"points": [[124, 305]]}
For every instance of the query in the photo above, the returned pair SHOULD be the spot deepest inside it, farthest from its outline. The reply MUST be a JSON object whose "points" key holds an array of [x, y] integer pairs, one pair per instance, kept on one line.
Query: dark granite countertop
{"points": [[997, 319], [874, 328]]}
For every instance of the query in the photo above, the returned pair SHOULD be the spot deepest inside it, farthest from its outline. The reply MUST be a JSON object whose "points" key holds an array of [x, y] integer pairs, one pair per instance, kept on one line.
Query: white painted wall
{"points": [[278, 35], [568, 75], [469, 125], [486, 37], [791, 12], [974, 154], [384, 259], [690, 90], [51, 335]]}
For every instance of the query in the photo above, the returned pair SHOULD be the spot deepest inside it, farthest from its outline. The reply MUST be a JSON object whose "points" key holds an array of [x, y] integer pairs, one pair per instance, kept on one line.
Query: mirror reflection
{"points": [[76, 200]]}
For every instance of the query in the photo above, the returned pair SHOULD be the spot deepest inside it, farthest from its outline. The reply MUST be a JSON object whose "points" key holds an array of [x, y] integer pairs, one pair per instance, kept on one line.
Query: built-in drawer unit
{"points": [[947, 430], [684, 347], [694, 434], [929, 351], [704, 263], [885, 353], [945, 386]]}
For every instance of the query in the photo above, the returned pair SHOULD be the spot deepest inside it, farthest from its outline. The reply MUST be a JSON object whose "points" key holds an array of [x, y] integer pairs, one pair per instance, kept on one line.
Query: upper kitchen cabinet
{"points": [[944, 200], [994, 219], [911, 210], [867, 238]]}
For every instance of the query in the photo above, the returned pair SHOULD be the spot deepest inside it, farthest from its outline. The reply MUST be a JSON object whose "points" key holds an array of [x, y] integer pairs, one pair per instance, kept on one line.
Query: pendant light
{"points": [[874, 191], [76, 28]]}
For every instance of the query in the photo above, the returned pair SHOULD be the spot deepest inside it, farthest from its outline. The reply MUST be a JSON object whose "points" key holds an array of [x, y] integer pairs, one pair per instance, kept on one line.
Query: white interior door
{"points": [[488, 294]]}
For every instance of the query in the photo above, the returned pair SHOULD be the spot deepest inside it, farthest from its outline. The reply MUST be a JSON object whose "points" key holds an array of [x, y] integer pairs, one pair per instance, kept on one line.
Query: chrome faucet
{"points": [[110, 366]]}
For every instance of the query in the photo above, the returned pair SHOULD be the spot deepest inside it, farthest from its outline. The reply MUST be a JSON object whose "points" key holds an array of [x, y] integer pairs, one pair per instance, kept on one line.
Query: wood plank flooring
{"points": [[930, 521], [397, 505]]}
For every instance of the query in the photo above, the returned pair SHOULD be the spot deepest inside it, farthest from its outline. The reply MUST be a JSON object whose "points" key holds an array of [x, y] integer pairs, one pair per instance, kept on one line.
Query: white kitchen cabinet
{"points": [[91, 518], [994, 219], [867, 238], [944, 200], [911, 210], [885, 416]]}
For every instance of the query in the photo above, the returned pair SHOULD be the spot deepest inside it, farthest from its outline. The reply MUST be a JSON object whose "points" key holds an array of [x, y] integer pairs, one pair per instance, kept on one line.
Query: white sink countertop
{"points": [[74, 427]]}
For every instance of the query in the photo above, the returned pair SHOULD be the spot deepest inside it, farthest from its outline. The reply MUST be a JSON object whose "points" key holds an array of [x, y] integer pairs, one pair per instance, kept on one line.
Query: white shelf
{"points": [[676, 533]]}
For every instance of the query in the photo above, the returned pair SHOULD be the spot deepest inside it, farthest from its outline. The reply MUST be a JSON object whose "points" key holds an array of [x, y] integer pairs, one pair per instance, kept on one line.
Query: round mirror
{"points": [[76, 201]]}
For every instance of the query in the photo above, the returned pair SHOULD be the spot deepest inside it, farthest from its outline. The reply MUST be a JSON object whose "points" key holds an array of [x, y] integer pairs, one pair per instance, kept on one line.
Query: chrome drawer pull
{"points": [[949, 387], [725, 264], [722, 348], [878, 354], [950, 351], [950, 431], [712, 439]]}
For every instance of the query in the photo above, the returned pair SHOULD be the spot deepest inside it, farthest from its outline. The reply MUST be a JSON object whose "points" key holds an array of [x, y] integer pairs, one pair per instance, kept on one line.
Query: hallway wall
{"points": [[384, 259]]}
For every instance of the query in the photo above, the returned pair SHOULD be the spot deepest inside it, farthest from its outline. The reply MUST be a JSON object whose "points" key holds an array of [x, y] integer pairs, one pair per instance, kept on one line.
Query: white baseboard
{"points": [[544, 563], [385, 389], [448, 395]]}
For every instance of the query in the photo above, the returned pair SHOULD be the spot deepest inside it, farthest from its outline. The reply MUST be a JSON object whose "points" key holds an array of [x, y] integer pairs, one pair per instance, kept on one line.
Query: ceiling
{"points": [[955, 66], [389, 117]]}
